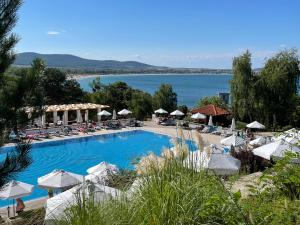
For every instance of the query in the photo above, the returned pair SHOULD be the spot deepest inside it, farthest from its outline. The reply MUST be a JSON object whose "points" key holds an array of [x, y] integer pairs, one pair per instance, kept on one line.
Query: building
{"points": [[220, 116]]}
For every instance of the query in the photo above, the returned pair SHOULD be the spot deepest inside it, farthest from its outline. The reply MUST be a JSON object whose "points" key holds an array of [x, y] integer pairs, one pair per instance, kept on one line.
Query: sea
{"points": [[189, 87]]}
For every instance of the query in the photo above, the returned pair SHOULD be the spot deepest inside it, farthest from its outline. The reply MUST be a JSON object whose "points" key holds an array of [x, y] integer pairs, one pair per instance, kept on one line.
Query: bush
{"points": [[173, 195], [240, 125]]}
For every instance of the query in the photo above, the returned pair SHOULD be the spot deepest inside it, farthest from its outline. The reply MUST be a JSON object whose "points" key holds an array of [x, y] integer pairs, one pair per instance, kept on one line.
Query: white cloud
{"points": [[282, 46], [51, 32]]}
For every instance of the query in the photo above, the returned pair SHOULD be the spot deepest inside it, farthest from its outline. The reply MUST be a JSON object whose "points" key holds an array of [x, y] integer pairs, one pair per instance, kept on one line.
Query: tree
{"points": [[8, 19], [281, 77], [165, 98], [96, 85], [141, 105], [242, 87], [60, 90], [211, 100], [19, 159]]}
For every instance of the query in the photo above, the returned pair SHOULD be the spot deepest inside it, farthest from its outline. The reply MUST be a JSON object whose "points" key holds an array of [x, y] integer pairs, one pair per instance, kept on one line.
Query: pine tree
{"points": [[18, 159]]}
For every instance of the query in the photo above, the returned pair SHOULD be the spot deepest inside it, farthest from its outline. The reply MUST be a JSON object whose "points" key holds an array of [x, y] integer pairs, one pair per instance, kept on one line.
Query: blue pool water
{"points": [[77, 155]]}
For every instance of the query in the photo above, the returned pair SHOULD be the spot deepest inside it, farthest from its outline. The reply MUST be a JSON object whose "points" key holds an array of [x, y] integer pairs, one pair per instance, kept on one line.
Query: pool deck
{"points": [[148, 126]]}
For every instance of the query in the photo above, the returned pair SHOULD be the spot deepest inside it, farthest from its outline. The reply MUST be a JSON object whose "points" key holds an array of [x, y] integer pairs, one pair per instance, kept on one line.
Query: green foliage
{"points": [[285, 176], [269, 96], [242, 87], [273, 209], [96, 85], [123, 180], [240, 125], [275, 199], [119, 95], [15, 162], [8, 15], [173, 195], [211, 100], [60, 90], [165, 98], [183, 108], [141, 105]]}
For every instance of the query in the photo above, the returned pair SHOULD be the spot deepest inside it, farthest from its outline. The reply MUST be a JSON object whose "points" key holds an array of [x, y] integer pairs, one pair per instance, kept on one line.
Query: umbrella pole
{"points": [[14, 207]]}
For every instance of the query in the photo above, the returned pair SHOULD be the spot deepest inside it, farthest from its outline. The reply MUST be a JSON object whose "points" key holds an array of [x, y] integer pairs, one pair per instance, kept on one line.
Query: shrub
{"points": [[173, 195]]}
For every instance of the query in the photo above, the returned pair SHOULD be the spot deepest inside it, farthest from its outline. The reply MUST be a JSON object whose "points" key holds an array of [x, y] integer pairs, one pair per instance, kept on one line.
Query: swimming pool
{"points": [[78, 154]]}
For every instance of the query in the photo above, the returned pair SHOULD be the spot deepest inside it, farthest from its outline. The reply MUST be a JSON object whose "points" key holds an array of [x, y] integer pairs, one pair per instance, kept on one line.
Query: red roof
{"points": [[211, 110]]}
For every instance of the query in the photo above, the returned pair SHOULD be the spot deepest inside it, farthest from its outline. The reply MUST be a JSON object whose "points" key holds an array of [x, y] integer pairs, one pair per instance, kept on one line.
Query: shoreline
{"points": [[82, 76]]}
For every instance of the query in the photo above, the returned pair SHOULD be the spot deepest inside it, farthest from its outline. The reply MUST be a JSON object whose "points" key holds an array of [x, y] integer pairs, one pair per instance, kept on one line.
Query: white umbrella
{"points": [[114, 117], [210, 122], [223, 164], [79, 116], [104, 113], [177, 113], [59, 179], [232, 127], [198, 116], [15, 189], [160, 111], [233, 140], [103, 166], [56, 206], [124, 112], [276, 149], [255, 125], [220, 163]]}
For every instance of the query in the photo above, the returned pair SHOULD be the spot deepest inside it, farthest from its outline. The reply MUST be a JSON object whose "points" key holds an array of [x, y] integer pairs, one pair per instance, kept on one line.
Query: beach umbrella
{"points": [[114, 117], [198, 116], [223, 164], [217, 161], [177, 113], [160, 111], [15, 189], [210, 122], [57, 205], [255, 125], [65, 118], [104, 113], [124, 112], [103, 166], [275, 149], [232, 127], [59, 179], [233, 140], [79, 116]]}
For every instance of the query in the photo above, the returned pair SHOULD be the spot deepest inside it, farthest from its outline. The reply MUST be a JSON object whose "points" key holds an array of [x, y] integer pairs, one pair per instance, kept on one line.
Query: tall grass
{"points": [[171, 195]]}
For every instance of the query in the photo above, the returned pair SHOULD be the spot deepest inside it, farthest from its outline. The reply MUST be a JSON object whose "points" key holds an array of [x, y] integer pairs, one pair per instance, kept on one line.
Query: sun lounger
{"points": [[218, 131]]}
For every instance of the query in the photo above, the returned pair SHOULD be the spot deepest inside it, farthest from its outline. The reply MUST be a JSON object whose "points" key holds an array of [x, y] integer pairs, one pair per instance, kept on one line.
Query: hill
{"points": [[75, 62], [78, 65]]}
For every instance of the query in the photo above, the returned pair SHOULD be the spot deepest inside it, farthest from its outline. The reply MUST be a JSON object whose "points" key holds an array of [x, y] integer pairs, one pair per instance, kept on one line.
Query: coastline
{"points": [[82, 76]]}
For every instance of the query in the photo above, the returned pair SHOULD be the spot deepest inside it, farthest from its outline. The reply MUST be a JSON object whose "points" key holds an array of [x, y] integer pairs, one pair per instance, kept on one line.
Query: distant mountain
{"points": [[75, 62], [77, 65]]}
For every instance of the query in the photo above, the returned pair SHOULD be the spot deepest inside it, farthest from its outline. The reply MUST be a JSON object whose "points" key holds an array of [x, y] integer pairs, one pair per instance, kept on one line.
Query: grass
{"points": [[173, 195]]}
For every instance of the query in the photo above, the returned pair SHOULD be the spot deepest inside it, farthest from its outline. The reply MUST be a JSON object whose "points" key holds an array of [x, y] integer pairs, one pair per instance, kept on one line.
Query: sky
{"points": [[175, 33]]}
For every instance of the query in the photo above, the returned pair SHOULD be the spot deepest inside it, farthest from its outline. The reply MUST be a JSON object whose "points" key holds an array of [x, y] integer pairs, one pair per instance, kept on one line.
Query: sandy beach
{"points": [[83, 76]]}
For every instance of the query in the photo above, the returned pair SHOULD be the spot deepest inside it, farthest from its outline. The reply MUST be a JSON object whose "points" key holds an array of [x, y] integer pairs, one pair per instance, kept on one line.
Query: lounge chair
{"points": [[218, 131], [206, 129], [169, 122]]}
